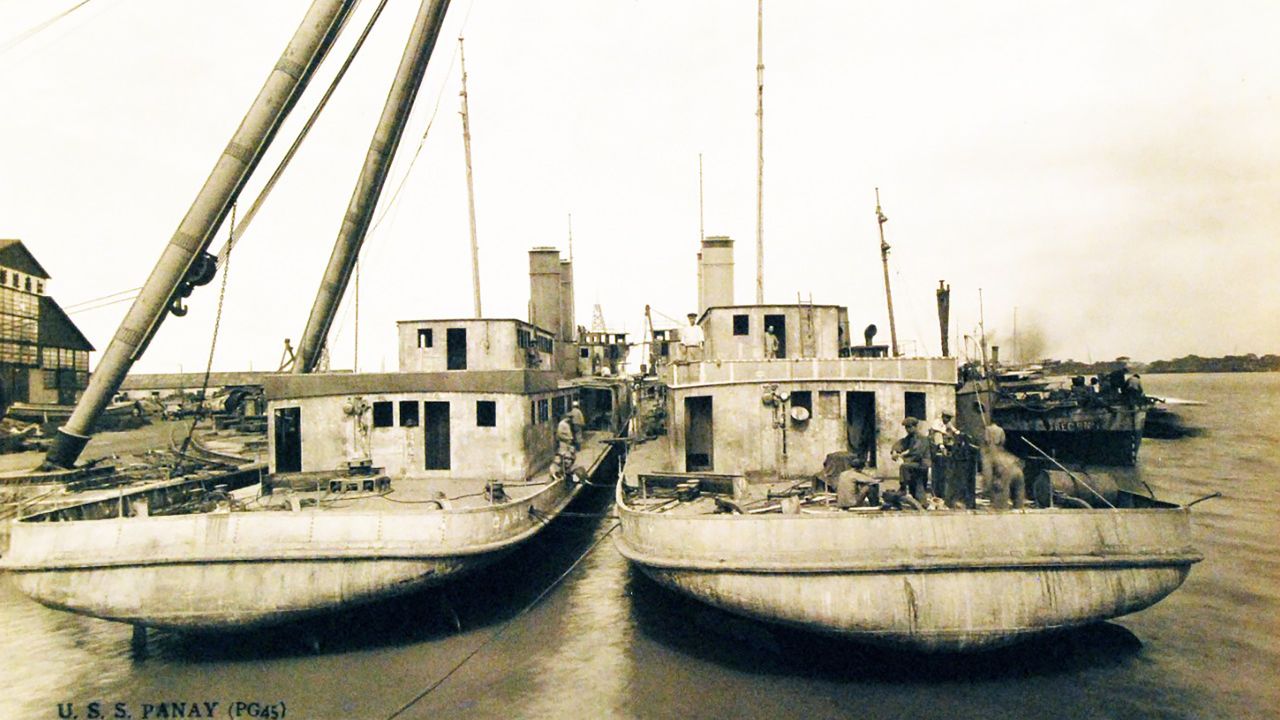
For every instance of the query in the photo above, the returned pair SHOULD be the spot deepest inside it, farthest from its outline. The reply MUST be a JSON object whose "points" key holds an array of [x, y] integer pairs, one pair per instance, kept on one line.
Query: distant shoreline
{"points": [[1182, 365], [1203, 372]]}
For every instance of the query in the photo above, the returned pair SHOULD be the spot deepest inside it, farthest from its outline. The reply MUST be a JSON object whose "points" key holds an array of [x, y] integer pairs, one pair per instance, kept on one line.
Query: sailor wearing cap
{"points": [[912, 451], [578, 422]]}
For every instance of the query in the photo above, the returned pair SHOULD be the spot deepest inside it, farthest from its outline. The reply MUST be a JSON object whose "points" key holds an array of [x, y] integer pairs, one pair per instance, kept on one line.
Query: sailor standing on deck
{"points": [[566, 450], [943, 439], [770, 343], [579, 424]]}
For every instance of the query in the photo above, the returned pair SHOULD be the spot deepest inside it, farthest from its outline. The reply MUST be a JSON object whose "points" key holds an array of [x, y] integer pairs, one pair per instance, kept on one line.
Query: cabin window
{"points": [[424, 338], [542, 411], [584, 352], [803, 399], [383, 415], [408, 413], [486, 413], [741, 324], [829, 405], [914, 402]]}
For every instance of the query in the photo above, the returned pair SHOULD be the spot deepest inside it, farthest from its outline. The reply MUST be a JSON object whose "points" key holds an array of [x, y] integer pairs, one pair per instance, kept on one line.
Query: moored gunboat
{"points": [[377, 484], [725, 504]]}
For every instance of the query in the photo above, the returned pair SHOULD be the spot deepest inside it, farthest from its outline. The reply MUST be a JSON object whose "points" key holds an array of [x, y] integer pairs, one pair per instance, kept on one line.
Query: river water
{"points": [[606, 642]]}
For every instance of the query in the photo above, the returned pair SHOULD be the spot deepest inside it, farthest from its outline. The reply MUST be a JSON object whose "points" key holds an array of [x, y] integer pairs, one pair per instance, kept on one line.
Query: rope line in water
{"points": [[497, 634]]}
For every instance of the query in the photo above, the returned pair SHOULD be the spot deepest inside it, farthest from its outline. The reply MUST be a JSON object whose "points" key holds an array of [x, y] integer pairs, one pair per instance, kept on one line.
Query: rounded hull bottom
{"points": [[236, 595], [931, 611]]}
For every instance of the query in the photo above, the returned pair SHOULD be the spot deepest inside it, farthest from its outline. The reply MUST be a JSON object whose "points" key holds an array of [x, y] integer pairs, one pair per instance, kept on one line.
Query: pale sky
{"points": [[1110, 169]]}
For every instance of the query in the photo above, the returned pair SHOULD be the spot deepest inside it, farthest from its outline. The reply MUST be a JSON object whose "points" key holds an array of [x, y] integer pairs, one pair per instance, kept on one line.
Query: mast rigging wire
{"points": [[258, 201], [213, 342], [391, 201], [238, 232], [31, 32]]}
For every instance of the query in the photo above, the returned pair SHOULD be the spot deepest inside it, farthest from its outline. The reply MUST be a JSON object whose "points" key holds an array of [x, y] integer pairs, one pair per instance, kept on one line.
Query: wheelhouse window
{"points": [[741, 324], [424, 338]]}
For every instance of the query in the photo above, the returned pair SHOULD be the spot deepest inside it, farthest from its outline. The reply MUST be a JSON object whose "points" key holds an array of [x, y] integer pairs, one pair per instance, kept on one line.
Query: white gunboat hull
{"points": [[936, 581], [240, 570]]}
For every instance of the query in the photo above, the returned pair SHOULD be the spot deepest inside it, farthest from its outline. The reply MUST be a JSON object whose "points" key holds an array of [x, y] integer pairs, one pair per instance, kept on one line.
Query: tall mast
{"points": [[1016, 349], [884, 258], [702, 228], [185, 262], [364, 198], [982, 333], [471, 191], [355, 335], [760, 152]]}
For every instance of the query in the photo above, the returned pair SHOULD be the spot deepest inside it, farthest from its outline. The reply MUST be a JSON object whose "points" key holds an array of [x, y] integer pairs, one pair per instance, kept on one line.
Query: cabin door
{"points": [[699, 441], [456, 348], [288, 437], [860, 425], [779, 331], [435, 423]]}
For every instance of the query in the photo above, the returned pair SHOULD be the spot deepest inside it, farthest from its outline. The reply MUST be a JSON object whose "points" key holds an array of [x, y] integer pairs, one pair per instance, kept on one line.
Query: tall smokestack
{"points": [[567, 334], [944, 314], [544, 289], [716, 272]]}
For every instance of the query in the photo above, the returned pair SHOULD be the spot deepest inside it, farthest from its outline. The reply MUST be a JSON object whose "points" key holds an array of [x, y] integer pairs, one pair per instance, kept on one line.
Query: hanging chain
{"points": [[217, 321]]}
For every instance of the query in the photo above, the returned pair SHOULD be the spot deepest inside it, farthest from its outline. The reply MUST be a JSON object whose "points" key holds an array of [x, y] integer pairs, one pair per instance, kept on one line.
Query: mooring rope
{"points": [[431, 688]]}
